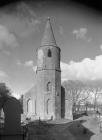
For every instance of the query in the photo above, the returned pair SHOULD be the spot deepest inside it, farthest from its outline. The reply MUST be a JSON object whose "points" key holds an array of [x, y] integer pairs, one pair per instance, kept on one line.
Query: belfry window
{"points": [[49, 53], [49, 86]]}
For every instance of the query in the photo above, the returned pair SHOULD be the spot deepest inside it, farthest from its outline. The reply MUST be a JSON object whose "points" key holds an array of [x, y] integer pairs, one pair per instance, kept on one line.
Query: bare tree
{"points": [[77, 91], [96, 90]]}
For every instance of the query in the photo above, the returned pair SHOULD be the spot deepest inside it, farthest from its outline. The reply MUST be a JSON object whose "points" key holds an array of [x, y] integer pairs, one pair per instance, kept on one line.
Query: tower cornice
{"points": [[48, 69]]}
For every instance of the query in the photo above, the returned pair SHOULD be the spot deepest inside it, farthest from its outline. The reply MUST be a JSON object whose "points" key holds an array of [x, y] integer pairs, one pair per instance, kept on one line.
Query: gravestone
{"points": [[12, 124]]}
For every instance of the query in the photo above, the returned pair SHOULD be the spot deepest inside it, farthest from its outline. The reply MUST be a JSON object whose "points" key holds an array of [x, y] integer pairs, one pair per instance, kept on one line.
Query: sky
{"points": [[78, 32]]}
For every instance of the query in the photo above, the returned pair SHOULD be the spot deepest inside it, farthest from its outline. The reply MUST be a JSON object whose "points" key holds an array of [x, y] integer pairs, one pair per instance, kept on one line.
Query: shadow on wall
{"points": [[62, 102], [12, 122]]}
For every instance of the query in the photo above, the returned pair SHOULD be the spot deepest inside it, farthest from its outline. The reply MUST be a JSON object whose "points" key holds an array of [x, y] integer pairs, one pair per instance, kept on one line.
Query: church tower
{"points": [[48, 77]]}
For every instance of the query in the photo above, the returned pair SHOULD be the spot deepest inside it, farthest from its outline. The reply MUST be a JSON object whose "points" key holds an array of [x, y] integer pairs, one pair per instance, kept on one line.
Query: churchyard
{"points": [[86, 126], [83, 128]]}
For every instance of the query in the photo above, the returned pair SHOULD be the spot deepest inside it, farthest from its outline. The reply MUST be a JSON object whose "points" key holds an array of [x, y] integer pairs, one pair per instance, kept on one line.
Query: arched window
{"points": [[49, 53], [49, 86], [29, 106], [49, 108]]}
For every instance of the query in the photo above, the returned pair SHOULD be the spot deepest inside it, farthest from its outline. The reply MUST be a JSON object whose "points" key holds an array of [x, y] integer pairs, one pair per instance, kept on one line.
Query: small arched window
{"points": [[49, 53], [29, 106], [49, 86]]}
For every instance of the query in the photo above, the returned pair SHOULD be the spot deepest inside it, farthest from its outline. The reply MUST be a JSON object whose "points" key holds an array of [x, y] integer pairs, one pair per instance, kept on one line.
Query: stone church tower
{"points": [[48, 76], [44, 100]]}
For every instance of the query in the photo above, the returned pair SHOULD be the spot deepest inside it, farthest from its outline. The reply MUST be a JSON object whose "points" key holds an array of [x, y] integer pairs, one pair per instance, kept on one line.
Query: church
{"points": [[47, 99]]}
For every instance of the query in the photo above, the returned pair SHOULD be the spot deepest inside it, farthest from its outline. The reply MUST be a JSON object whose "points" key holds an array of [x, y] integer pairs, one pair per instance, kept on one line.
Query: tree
{"points": [[4, 90], [4, 94], [77, 91], [96, 90], [21, 101]]}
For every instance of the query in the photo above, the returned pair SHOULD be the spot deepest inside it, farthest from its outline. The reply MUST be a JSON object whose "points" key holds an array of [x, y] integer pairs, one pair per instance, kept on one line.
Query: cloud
{"points": [[81, 34], [19, 63], [26, 63], [87, 69], [24, 10], [23, 13], [3, 74], [101, 47], [29, 63], [7, 38], [26, 13]]}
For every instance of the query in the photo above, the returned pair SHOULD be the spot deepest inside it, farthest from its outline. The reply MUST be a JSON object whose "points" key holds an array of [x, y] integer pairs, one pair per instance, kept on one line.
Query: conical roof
{"points": [[48, 38]]}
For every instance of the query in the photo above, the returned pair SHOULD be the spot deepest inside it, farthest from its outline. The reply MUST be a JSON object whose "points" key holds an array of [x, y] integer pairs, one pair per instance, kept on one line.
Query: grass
{"points": [[74, 130]]}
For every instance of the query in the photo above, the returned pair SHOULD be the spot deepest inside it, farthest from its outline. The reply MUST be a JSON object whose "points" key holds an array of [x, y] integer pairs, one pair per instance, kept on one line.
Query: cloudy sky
{"points": [[78, 32]]}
